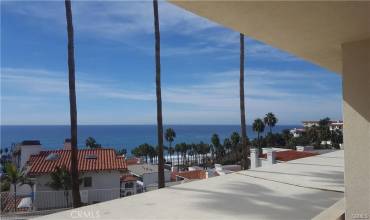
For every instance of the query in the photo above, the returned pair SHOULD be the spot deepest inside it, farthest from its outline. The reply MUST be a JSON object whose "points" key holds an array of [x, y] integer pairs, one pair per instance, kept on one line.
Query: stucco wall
{"points": [[27, 151], [356, 108], [105, 186], [152, 178]]}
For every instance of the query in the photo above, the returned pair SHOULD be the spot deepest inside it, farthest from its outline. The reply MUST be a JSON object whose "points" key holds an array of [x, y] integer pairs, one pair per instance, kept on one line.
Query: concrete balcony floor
{"points": [[298, 189]]}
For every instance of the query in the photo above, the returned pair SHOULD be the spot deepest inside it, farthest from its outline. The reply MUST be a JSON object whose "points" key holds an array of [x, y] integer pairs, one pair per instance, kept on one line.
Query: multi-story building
{"points": [[333, 125]]}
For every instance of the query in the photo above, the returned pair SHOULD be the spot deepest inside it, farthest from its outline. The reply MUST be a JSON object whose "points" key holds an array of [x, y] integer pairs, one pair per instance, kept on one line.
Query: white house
{"points": [[148, 174], [22, 152], [130, 185], [100, 172], [333, 125]]}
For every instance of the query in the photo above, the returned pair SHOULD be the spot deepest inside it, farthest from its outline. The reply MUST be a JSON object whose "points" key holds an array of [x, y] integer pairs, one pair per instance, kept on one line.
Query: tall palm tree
{"points": [[159, 96], [73, 107], [171, 151], [270, 120], [245, 147], [170, 135], [259, 127], [178, 148], [13, 176]]}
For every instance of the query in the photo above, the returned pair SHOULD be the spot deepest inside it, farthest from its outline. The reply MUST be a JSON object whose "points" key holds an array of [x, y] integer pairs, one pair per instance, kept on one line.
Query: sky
{"points": [[115, 69]]}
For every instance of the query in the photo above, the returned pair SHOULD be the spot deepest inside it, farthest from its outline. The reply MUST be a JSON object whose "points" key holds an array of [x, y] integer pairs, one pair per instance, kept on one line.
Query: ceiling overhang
{"points": [[312, 30]]}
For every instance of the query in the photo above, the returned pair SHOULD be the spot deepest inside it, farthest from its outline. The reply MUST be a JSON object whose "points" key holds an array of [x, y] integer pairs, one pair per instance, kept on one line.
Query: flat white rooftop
{"points": [[298, 189]]}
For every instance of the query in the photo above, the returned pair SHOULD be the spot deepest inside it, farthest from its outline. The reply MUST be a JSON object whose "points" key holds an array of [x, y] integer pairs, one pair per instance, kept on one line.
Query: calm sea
{"points": [[117, 136]]}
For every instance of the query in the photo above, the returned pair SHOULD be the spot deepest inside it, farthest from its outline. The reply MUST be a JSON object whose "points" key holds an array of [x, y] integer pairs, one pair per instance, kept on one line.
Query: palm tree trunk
{"points": [[73, 107], [159, 96], [178, 161], [15, 197], [259, 141], [245, 148]]}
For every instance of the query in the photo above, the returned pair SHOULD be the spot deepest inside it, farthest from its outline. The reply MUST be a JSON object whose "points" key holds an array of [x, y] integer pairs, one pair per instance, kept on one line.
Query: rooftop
{"points": [[298, 189], [30, 142], [140, 169], [290, 155], [128, 178], [191, 175], [88, 160]]}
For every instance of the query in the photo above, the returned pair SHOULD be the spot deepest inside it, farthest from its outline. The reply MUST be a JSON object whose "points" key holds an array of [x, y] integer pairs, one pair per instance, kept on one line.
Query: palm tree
{"points": [[13, 176], [91, 143], [159, 96], [152, 152], [259, 127], [270, 120], [143, 150], [171, 151], [245, 147], [235, 141], [61, 179], [170, 135], [73, 107], [286, 135], [324, 130], [183, 148], [227, 145], [215, 140], [178, 150]]}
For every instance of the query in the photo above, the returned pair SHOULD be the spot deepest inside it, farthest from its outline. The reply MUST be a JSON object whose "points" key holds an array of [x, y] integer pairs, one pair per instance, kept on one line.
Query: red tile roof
{"points": [[7, 200], [106, 159], [192, 175], [127, 178], [290, 155]]}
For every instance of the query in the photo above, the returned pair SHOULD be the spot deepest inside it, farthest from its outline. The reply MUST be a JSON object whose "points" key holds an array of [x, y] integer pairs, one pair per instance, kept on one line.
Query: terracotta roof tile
{"points": [[290, 155], [126, 178], [194, 174], [106, 159]]}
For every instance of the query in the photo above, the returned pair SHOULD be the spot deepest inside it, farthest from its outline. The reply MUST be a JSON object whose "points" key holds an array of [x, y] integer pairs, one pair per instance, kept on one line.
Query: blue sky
{"points": [[114, 49]]}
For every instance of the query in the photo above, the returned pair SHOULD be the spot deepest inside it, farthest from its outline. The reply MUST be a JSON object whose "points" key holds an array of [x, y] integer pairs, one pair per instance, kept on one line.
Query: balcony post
{"points": [[356, 115]]}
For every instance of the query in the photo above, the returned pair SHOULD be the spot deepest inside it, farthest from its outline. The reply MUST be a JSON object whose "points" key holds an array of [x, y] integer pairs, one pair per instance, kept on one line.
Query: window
{"points": [[128, 194], [52, 156], [129, 185], [87, 181], [91, 156]]}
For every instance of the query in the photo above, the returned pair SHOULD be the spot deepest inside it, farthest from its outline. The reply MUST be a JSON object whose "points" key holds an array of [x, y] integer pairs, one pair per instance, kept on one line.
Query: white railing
{"points": [[46, 200]]}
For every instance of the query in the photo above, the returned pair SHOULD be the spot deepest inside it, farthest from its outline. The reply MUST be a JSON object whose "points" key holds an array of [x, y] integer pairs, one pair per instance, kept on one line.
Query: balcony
{"points": [[298, 189]]}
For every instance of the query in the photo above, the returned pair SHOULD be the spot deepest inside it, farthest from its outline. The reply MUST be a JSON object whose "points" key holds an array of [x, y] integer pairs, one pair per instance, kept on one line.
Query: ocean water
{"points": [[118, 136]]}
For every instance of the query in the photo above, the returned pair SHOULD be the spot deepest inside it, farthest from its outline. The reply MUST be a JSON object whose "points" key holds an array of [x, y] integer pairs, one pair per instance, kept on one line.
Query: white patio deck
{"points": [[298, 189]]}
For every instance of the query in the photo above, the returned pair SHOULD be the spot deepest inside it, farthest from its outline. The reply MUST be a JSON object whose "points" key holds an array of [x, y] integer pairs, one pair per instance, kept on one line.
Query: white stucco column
{"points": [[356, 113], [254, 155], [271, 154]]}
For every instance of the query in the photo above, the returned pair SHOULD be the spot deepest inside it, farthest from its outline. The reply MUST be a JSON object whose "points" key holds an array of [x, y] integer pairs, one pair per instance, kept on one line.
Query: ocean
{"points": [[118, 136]]}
